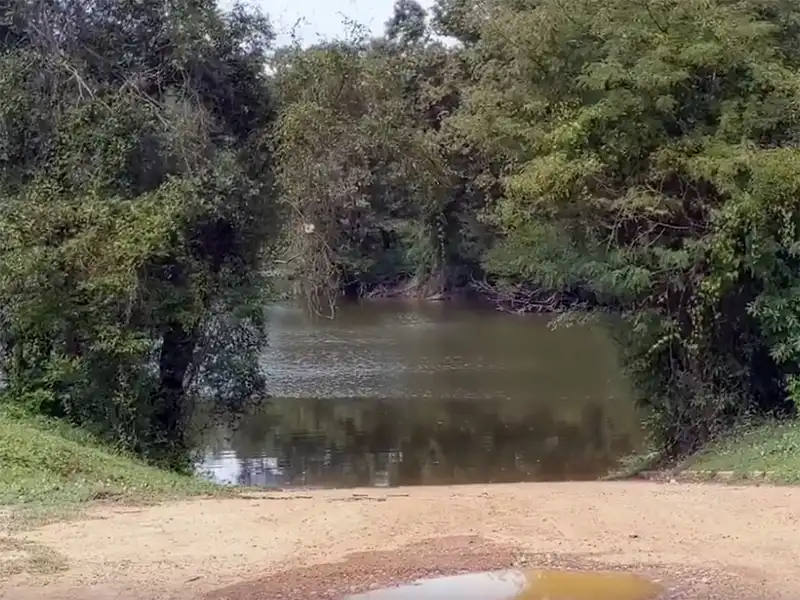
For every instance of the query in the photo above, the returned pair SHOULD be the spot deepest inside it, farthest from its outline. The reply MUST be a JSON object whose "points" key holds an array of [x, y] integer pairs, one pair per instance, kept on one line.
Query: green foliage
{"points": [[344, 142], [634, 158], [134, 210], [652, 163], [378, 189], [772, 448]]}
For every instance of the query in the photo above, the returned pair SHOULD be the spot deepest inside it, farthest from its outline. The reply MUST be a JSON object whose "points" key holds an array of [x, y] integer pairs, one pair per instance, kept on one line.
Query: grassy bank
{"points": [[770, 448], [47, 464], [766, 451]]}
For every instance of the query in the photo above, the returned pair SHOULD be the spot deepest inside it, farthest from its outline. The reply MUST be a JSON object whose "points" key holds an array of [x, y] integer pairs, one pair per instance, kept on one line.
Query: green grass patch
{"points": [[49, 468], [772, 447]]}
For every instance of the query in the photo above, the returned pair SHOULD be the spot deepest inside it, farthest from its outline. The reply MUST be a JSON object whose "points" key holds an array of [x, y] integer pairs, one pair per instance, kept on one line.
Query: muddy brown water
{"points": [[521, 585], [390, 394]]}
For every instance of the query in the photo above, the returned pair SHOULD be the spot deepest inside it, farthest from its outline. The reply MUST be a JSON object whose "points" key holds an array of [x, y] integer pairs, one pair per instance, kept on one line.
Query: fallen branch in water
{"points": [[519, 298]]}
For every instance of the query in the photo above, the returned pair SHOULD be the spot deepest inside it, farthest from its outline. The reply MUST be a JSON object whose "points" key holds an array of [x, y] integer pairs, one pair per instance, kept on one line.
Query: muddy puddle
{"points": [[520, 585]]}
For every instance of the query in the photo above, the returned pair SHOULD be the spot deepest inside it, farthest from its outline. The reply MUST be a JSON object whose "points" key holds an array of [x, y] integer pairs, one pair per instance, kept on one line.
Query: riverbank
{"points": [[763, 453], [513, 299], [44, 463], [47, 468], [141, 538]]}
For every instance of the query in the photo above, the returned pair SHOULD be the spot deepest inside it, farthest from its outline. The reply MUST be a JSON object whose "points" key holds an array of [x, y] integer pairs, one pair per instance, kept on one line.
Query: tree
{"points": [[352, 167], [394, 195], [651, 150], [136, 207]]}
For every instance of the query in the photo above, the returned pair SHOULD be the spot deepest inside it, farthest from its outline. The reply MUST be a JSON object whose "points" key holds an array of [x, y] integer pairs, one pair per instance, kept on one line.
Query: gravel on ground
{"points": [[703, 542]]}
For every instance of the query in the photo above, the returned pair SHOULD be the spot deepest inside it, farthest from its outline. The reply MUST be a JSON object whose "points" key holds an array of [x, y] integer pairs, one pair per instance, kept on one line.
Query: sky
{"points": [[322, 18]]}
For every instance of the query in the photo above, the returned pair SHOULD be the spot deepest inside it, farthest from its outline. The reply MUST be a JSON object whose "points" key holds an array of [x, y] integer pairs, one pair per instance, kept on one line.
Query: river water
{"points": [[393, 393]]}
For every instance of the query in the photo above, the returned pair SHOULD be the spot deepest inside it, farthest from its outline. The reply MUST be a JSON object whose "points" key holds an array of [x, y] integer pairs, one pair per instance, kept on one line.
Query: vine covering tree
{"points": [[136, 205]]}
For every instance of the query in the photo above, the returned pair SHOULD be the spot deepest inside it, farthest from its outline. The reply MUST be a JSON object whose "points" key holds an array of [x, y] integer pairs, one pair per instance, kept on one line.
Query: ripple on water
{"points": [[518, 585]]}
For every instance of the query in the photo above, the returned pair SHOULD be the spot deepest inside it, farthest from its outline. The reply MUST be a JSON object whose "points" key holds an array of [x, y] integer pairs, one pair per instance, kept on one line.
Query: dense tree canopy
{"points": [[654, 153], [136, 203], [394, 198], [157, 158]]}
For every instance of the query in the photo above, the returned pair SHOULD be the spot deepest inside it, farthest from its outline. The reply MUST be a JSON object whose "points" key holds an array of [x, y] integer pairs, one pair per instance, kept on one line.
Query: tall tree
{"points": [[136, 205], [402, 194], [352, 166], [651, 149]]}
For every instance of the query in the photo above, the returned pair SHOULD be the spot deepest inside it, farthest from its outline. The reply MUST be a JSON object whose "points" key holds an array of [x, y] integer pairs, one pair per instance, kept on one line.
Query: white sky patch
{"points": [[313, 20]]}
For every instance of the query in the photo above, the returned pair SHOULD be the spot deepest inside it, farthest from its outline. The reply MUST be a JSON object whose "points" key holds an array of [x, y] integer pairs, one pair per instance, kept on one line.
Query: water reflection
{"points": [[504, 585], [390, 395], [356, 442], [518, 585]]}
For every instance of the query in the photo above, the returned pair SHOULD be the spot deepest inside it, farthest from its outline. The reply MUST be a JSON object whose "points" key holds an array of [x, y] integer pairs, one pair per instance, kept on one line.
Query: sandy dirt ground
{"points": [[704, 542]]}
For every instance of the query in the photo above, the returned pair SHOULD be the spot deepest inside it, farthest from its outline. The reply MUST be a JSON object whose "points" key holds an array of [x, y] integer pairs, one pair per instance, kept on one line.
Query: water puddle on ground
{"points": [[519, 585]]}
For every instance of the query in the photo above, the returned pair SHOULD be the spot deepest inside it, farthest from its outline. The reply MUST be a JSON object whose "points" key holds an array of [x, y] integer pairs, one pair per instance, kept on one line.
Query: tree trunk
{"points": [[177, 351]]}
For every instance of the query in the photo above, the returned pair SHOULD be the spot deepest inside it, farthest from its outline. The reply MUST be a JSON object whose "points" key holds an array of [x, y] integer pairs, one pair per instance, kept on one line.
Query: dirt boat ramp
{"points": [[703, 542]]}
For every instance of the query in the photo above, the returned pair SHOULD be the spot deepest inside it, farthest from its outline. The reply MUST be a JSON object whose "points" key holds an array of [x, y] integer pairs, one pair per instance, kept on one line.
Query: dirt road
{"points": [[702, 541]]}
